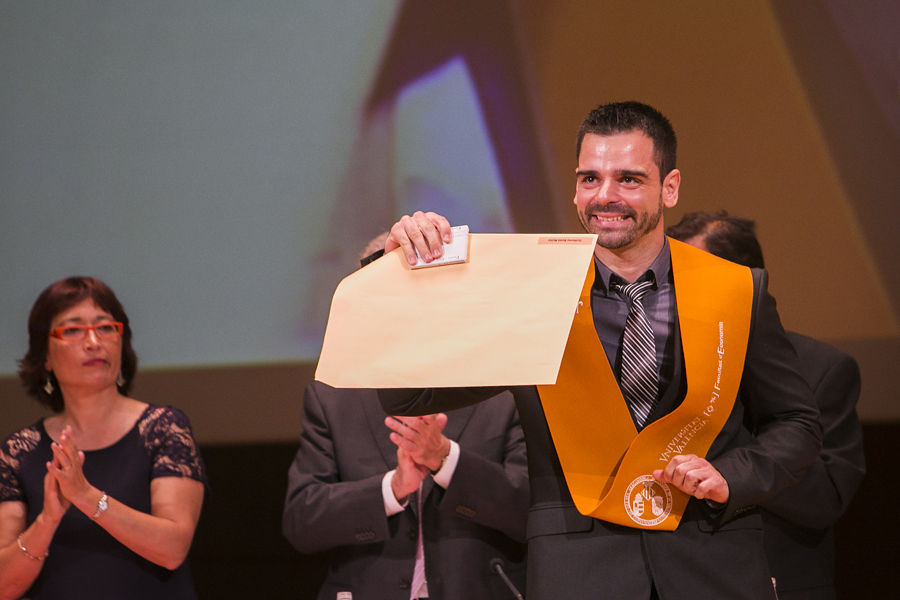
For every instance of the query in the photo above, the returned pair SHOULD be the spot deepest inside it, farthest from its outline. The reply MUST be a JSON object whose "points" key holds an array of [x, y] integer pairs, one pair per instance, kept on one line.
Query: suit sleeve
{"points": [[778, 405], [321, 511], [825, 491], [493, 493]]}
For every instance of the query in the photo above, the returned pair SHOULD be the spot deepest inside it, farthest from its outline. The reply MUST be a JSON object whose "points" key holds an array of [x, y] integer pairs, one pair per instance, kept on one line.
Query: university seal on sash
{"points": [[648, 502]]}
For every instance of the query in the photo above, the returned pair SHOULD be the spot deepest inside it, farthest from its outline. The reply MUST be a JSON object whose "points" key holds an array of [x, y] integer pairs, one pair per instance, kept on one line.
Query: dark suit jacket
{"points": [[334, 501], [799, 522], [712, 554]]}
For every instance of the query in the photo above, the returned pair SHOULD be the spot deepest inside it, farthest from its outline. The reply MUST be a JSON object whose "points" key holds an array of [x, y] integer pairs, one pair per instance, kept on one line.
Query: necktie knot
{"points": [[634, 292]]}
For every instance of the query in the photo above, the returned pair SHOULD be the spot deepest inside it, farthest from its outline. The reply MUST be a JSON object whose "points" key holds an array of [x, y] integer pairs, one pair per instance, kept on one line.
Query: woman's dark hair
{"points": [[58, 297]]}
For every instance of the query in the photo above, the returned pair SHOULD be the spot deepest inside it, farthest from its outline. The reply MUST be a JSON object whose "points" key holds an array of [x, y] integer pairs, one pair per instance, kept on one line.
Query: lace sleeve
{"points": [[169, 441], [13, 450]]}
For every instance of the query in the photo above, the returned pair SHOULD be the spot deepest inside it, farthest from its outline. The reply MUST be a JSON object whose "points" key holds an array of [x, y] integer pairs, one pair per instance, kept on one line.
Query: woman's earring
{"points": [[120, 380], [48, 387]]}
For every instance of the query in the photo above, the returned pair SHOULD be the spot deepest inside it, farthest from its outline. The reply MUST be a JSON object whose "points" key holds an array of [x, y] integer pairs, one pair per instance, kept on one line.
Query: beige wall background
{"points": [[776, 120]]}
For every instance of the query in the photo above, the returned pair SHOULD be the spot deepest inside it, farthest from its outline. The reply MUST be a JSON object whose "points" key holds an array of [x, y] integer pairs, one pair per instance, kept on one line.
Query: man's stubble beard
{"points": [[613, 240]]}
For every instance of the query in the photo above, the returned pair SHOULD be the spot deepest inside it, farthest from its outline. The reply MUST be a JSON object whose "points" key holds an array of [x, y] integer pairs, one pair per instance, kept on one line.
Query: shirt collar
{"points": [[658, 271]]}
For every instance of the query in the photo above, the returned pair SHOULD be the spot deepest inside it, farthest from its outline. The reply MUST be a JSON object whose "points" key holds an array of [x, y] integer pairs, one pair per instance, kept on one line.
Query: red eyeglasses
{"points": [[76, 333]]}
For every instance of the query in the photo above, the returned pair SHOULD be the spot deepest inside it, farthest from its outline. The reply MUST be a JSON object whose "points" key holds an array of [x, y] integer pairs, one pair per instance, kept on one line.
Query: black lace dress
{"points": [[85, 561]]}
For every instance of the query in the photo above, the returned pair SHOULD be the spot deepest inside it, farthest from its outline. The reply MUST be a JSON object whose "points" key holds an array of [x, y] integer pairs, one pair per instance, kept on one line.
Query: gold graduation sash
{"points": [[608, 465]]}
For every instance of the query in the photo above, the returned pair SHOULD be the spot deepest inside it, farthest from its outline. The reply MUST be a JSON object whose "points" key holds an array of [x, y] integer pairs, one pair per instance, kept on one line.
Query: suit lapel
{"points": [[380, 433], [457, 421]]}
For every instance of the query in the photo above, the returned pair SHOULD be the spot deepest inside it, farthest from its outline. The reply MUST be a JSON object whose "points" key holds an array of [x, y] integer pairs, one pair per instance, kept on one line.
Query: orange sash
{"points": [[607, 464]]}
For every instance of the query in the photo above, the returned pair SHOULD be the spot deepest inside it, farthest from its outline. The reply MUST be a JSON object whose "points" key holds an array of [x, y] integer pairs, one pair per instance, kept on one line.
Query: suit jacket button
{"points": [[413, 534], [405, 583]]}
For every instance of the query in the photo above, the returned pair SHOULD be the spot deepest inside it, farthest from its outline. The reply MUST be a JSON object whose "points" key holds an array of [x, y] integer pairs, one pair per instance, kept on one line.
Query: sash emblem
{"points": [[648, 502]]}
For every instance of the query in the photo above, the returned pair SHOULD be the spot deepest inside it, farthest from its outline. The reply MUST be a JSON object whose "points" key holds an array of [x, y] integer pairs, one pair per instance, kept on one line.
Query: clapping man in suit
{"points": [[799, 521], [409, 507]]}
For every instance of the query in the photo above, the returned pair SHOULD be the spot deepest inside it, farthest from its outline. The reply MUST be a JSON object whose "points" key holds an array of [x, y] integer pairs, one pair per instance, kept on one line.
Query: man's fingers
{"points": [[401, 442], [441, 226], [422, 232], [695, 476], [440, 420], [425, 236]]}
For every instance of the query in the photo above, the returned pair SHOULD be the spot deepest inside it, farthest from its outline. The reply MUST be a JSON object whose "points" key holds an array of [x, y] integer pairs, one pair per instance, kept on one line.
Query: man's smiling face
{"points": [[618, 192]]}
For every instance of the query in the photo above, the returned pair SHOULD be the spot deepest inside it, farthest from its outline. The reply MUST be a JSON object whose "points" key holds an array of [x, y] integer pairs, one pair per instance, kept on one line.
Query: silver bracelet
{"points": [[102, 505], [29, 554]]}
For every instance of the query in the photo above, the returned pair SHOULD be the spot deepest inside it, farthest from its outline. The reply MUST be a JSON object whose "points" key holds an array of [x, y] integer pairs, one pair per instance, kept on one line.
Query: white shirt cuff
{"points": [[443, 475], [391, 506]]}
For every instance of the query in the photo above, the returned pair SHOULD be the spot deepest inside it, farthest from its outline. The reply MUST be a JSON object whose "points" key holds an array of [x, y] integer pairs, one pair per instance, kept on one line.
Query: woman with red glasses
{"points": [[100, 500]]}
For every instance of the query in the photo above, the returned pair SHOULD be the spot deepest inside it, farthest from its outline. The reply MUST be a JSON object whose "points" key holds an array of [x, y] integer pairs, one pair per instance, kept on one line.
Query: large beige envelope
{"points": [[502, 318]]}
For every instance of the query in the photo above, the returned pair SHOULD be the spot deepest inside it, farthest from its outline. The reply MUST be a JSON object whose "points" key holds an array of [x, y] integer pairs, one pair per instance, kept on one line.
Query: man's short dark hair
{"points": [[622, 117], [727, 236]]}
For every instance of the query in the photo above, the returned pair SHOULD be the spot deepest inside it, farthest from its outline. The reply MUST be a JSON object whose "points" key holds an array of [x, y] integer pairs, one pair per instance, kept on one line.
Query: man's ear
{"points": [[670, 187]]}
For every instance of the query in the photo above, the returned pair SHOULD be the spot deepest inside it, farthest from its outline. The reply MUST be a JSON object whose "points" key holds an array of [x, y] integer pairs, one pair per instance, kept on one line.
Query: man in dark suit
{"points": [[409, 507], [799, 521], [340, 497], [625, 177]]}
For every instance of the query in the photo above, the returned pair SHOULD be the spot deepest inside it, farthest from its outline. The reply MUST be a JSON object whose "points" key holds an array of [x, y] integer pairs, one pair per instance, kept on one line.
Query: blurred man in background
{"points": [[799, 522]]}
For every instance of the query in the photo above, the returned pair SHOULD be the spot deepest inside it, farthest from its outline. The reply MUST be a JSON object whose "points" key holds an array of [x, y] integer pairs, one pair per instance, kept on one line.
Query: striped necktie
{"points": [[638, 378]]}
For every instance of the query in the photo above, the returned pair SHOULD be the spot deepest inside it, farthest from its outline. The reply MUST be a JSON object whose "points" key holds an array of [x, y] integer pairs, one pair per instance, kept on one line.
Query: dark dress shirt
{"points": [[610, 311]]}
